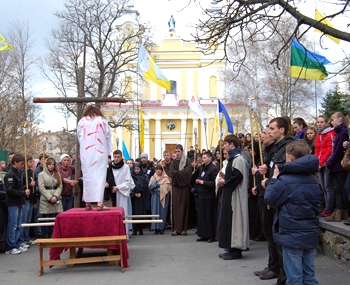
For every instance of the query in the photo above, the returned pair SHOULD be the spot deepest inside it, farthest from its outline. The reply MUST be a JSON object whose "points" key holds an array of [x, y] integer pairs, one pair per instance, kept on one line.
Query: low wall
{"points": [[335, 241]]}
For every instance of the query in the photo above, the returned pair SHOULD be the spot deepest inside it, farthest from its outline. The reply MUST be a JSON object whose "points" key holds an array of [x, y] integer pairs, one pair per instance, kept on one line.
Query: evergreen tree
{"points": [[332, 102]]}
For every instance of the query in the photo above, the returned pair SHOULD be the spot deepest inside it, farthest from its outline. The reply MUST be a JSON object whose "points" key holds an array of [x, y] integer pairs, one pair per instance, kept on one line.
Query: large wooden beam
{"points": [[77, 100]]}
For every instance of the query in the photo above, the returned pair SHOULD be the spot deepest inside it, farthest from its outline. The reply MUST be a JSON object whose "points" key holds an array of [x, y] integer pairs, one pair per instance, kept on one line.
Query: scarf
{"points": [[234, 153], [182, 159], [118, 165], [301, 133], [164, 184]]}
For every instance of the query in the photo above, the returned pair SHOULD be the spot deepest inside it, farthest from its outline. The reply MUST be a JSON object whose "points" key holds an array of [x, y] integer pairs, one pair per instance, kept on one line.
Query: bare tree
{"points": [[267, 83], [111, 49], [16, 105], [234, 23]]}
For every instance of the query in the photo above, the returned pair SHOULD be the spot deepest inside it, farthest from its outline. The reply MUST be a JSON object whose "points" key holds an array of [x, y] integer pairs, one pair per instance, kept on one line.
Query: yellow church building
{"points": [[168, 121]]}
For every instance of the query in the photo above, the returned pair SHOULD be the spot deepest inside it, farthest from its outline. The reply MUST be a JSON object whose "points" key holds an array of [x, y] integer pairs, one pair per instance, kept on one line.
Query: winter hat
{"points": [[63, 156], [144, 155]]}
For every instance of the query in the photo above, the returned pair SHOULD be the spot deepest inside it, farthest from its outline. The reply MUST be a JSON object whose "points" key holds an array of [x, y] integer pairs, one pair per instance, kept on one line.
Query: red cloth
{"points": [[78, 222]]}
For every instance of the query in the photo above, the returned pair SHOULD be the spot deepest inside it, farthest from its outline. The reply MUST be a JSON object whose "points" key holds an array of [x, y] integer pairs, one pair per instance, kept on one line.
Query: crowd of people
{"points": [[228, 193]]}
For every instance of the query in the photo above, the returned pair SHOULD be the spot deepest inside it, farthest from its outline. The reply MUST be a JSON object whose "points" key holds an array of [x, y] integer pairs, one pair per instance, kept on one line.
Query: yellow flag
{"points": [[142, 130], [3, 44], [318, 17]]}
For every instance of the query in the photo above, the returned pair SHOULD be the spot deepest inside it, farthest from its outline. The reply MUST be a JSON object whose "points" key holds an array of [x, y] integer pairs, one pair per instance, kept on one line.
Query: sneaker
{"points": [[25, 245], [23, 249], [325, 213], [29, 242], [13, 251]]}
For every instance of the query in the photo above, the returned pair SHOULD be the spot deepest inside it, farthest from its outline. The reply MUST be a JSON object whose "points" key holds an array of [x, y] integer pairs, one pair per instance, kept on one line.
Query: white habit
{"points": [[124, 182], [95, 140]]}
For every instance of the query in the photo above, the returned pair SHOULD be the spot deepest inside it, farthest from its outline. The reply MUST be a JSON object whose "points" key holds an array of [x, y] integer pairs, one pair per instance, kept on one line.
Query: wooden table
{"points": [[79, 223]]}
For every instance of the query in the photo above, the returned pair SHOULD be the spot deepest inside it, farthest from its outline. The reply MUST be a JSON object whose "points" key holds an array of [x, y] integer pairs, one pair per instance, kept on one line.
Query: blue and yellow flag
{"points": [[226, 123], [148, 69], [3, 44], [319, 17], [306, 64]]}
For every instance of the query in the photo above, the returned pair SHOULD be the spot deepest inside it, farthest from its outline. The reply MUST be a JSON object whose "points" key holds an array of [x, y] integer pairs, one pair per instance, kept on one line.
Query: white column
{"points": [[189, 84], [158, 145], [204, 141], [195, 125], [183, 133], [135, 141], [146, 148]]}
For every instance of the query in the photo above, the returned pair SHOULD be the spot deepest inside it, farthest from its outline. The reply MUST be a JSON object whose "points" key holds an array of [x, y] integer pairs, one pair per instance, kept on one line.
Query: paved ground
{"points": [[159, 259]]}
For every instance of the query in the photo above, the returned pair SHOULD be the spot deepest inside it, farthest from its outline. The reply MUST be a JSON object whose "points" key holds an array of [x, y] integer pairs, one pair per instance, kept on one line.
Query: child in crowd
{"points": [[294, 193], [14, 201], [310, 138], [138, 195], [50, 186]]}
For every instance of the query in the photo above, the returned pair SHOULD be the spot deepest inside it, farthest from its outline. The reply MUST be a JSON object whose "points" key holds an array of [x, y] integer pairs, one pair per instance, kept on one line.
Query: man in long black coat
{"points": [[206, 216]]}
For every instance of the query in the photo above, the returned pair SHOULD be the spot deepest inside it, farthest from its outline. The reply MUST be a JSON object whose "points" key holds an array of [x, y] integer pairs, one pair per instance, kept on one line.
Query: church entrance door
{"points": [[170, 147]]}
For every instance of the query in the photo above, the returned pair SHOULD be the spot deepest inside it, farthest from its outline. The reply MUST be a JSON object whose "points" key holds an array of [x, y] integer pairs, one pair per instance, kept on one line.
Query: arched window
{"points": [[128, 87], [213, 87]]}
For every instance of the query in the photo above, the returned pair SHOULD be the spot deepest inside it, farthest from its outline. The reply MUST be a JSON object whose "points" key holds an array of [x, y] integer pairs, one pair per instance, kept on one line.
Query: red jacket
{"points": [[324, 145]]}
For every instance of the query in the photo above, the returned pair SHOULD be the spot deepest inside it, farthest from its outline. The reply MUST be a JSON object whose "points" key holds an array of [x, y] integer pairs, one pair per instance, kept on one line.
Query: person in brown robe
{"points": [[180, 174]]}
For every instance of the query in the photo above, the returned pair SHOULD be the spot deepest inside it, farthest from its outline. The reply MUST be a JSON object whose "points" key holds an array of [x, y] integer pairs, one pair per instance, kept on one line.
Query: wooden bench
{"points": [[74, 243]]}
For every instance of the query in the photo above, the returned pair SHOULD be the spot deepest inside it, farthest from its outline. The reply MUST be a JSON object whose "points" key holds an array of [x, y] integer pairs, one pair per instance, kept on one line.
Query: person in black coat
{"points": [[15, 199], [206, 217], [138, 195]]}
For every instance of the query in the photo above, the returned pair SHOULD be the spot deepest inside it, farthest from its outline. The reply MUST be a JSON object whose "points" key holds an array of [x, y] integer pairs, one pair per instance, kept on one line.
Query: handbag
{"points": [[345, 163]]}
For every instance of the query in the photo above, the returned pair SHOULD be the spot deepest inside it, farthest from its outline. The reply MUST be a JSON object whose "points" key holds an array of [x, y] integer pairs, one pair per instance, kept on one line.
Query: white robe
{"points": [[95, 140], [124, 182]]}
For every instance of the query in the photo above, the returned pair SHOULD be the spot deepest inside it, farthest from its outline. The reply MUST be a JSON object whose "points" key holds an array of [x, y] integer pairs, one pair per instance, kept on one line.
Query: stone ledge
{"points": [[337, 227]]}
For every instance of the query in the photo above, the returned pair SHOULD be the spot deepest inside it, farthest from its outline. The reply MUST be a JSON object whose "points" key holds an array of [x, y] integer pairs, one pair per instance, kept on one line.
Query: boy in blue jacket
{"points": [[294, 193]]}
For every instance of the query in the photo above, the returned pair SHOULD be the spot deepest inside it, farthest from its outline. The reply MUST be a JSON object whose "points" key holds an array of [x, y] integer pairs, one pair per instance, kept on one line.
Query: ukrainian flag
{"points": [[306, 64], [148, 69], [226, 123], [3, 44]]}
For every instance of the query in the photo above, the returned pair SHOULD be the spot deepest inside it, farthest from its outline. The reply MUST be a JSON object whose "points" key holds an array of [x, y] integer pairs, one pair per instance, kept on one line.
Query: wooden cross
{"points": [[79, 100]]}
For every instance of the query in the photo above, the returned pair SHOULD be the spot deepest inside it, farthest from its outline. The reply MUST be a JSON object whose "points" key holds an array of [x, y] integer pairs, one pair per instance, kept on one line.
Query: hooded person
{"points": [[159, 186], [66, 171], [138, 195], [95, 141], [180, 174], [234, 220], [50, 187]]}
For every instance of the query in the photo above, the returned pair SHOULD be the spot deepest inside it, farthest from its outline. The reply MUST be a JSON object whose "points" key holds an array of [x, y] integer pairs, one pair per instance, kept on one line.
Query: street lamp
{"points": [[117, 140]]}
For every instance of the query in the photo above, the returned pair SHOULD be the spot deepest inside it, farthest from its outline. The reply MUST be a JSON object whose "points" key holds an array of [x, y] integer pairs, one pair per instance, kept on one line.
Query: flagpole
{"points": [[290, 96], [251, 134], [221, 118]]}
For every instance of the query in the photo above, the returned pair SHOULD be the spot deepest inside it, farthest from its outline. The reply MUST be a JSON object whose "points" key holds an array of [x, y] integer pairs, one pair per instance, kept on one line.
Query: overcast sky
{"points": [[39, 14]]}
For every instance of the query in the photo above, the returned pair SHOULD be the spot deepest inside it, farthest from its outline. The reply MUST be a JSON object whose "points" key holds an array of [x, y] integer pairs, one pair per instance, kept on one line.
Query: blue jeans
{"points": [[347, 184], [299, 265], [36, 216], [47, 230], [27, 212], [328, 189], [13, 234], [67, 202]]}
